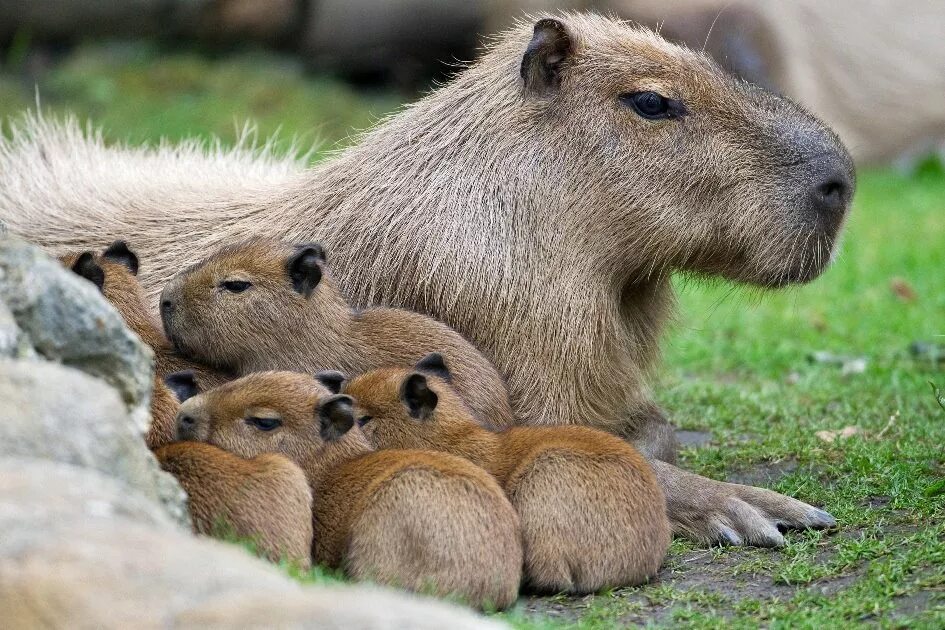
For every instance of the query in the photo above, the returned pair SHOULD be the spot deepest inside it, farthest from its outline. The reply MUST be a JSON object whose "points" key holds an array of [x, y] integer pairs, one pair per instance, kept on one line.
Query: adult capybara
{"points": [[537, 204]]}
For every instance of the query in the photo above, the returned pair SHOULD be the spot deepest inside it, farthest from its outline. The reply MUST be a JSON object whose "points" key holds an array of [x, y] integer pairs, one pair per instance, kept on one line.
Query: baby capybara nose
{"points": [[185, 427]]}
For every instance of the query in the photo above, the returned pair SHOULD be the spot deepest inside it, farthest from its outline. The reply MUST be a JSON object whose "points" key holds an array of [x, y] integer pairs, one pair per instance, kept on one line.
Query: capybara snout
{"points": [[723, 177], [818, 171]]}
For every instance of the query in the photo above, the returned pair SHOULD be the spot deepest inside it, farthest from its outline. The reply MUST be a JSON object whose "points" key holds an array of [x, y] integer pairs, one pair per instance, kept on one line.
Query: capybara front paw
{"points": [[743, 515], [759, 520], [714, 512]]}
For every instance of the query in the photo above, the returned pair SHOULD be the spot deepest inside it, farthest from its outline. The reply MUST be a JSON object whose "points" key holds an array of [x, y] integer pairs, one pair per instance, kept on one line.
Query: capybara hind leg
{"points": [[590, 523], [441, 535]]}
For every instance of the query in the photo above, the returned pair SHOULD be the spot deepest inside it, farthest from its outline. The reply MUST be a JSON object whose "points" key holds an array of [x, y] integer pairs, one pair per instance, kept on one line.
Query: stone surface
{"points": [[42, 491], [58, 413], [67, 320], [333, 608], [10, 336], [80, 550]]}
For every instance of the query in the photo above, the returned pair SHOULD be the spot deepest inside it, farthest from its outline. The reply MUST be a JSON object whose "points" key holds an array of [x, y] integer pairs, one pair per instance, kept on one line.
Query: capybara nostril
{"points": [[832, 192], [185, 427], [167, 306]]}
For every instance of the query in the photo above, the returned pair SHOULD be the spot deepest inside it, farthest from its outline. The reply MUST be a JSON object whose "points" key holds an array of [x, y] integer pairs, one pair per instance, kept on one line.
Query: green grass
{"points": [[736, 364]]}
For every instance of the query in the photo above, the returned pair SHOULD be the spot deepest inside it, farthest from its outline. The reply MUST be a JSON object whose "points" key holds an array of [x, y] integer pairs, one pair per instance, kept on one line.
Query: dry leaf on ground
{"points": [[840, 434]]}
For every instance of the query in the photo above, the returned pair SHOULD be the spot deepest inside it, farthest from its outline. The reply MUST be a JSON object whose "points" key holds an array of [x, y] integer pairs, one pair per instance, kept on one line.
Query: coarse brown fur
{"points": [[541, 219], [290, 315], [418, 520], [593, 515], [265, 500], [121, 288]]}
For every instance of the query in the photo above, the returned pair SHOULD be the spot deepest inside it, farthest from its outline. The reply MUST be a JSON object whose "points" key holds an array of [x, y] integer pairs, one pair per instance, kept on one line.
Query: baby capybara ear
{"points": [[419, 399], [546, 56], [435, 364], [305, 268], [335, 416], [183, 384], [86, 267], [118, 252], [331, 379]]}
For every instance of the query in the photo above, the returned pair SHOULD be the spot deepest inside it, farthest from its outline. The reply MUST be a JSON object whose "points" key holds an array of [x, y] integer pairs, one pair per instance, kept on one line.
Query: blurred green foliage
{"points": [[138, 93]]}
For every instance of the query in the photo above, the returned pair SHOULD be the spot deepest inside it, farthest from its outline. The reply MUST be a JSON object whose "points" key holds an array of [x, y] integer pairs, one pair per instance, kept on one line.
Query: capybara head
{"points": [[246, 298], [674, 162], [264, 412], [409, 407]]}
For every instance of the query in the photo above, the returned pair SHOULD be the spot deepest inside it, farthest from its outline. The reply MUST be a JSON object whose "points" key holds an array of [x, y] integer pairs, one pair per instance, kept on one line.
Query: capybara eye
{"points": [[235, 286], [264, 424], [653, 106], [363, 420]]}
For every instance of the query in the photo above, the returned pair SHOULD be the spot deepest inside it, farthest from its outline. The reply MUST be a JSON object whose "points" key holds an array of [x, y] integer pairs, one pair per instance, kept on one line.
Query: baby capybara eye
{"points": [[264, 424], [235, 286]]}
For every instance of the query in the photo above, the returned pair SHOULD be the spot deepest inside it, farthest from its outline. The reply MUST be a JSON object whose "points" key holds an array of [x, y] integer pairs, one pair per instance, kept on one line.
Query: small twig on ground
{"points": [[892, 421]]}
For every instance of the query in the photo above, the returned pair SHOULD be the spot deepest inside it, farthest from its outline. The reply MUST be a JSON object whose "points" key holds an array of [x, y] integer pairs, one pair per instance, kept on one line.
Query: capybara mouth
{"points": [[808, 262], [175, 343]]}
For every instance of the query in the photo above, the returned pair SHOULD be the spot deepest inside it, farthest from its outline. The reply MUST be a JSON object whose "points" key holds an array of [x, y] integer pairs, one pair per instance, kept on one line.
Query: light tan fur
{"points": [[122, 289], [273, 326], [873, 69], [542, 224], [419, 520], [265, 500], [593, 515]]}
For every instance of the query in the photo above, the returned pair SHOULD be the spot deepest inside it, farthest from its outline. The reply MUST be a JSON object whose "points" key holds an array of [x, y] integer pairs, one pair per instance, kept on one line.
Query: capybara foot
{"points": [[713, 512]]}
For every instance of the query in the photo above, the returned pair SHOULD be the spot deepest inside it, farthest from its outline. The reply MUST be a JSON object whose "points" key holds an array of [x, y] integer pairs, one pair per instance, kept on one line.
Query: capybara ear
{"points": [[435, 364], [418, 397], [183, 384], [546, 56], [331, 379], [305, 268], [316, 247], [118, 252], [86, 267], [335, 417]]}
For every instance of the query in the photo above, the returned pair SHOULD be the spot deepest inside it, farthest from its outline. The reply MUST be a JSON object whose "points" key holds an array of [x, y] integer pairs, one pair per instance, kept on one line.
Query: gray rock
{"points": [[333, 608], [58, 413], [79, 551], [43, 491], [68, 321], [10, 336]]}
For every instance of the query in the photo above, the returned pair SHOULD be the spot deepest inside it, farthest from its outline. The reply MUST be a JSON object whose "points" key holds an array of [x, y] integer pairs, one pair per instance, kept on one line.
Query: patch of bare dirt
{"points": [[764, 474], [693, 438], [707, 578]]}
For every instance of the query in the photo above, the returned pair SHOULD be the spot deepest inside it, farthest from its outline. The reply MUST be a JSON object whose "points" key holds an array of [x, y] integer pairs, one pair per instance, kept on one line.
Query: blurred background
{"points": [[874, 69]]}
